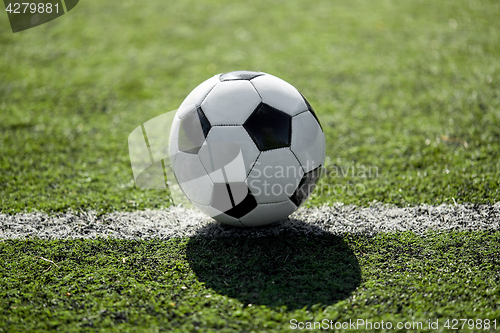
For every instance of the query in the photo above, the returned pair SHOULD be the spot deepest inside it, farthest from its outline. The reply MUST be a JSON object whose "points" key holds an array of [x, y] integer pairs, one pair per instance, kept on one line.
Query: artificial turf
{"points": [[407, 92], [406, 89], [239, 284]]}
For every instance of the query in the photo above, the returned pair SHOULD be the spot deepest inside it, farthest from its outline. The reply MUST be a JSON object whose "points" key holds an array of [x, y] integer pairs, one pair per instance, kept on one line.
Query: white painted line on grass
{"points": [[180, 222]]}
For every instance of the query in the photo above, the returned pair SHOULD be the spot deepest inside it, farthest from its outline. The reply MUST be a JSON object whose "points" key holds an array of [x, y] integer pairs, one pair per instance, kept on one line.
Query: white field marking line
{"points": [[180, 222]]}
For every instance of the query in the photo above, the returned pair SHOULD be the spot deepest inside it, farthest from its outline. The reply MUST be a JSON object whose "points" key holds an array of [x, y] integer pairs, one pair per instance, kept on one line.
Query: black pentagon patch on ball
{"points": [[306, 186], [269, 128], [239, 75], [309, 107], [233, 199], [193, 130]]}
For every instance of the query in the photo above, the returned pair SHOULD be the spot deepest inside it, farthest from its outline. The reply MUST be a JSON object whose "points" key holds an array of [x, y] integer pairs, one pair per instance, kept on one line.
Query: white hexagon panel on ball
{"points": [[192, 178], [308, 141], [279, 94], [228, 154], [268, 213], [275, 176], [230, 102]]}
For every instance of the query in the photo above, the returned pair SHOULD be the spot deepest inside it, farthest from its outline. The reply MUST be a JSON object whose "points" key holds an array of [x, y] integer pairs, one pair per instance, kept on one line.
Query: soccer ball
{"points": [[246, 148]]}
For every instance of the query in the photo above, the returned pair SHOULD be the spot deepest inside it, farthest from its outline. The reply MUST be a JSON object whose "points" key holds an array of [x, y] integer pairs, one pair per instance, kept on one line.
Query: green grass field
{"points": [[407, 89], [247, 285]]}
